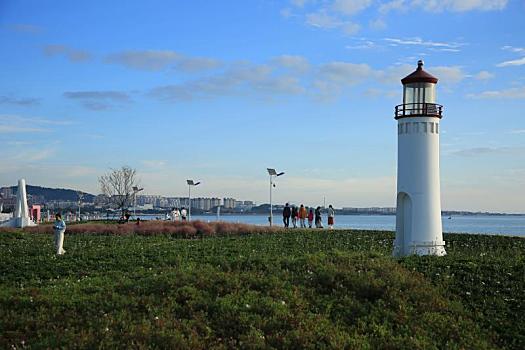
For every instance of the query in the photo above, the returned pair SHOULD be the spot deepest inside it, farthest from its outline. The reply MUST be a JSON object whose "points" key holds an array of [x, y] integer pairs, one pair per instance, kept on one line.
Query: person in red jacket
{"points": [[310, 218]]}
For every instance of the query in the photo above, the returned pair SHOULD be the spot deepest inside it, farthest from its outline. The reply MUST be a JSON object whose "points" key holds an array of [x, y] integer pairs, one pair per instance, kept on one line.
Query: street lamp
{"points": [[80, 196], [135, 191], [272, 173], [190, 183]]}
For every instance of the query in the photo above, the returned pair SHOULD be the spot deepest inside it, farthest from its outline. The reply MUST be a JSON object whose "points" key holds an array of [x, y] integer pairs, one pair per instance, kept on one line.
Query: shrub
{"points": [[152, 228]]}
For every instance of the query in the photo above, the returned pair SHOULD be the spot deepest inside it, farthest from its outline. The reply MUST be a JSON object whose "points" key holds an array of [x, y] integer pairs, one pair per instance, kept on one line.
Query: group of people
{"points": [[177, 215], [303, 214], [300, 214]]}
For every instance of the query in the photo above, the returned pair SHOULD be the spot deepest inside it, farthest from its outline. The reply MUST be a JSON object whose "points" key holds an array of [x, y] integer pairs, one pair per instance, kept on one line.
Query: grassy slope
{"points": [[295, 290]]}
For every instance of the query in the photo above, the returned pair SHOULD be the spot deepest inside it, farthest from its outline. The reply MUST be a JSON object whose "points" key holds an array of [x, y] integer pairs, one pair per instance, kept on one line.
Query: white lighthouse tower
{"points": [[418, 221]]}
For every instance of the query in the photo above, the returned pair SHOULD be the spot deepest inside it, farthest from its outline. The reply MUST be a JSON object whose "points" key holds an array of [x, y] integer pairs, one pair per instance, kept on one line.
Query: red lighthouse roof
{"points": [[419, 76]]}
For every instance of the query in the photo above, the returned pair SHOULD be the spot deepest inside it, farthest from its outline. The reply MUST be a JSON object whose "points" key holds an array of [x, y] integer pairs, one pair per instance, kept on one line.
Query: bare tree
{"points": [[117, 186]]}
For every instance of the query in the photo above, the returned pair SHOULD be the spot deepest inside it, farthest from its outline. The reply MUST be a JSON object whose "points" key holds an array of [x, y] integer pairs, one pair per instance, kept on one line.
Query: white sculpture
{"points": [[418, 222], [21, 217]]}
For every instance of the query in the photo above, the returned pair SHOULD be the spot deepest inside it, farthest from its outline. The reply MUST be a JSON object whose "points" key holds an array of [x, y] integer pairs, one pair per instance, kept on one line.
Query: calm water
{"points": [[502, 225]]}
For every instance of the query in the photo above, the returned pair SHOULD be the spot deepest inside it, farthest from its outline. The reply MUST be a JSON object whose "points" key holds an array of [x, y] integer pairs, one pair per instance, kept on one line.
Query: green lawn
{"points": [[301, 289]]}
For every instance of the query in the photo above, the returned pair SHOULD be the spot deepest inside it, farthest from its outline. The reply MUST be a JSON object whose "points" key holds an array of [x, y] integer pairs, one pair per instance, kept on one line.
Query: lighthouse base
{"points": [[18, 223], [420, 248]]}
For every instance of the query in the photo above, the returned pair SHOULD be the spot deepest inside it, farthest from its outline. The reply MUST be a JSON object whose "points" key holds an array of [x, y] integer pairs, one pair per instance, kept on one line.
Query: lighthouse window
{"points": [[400, 128], [416, 128], [432, 128], [430, 93], [437, 128], [424, 127]]}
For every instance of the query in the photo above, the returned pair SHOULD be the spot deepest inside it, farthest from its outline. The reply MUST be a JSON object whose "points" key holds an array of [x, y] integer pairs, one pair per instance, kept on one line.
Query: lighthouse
{"points": [[418, 219]]}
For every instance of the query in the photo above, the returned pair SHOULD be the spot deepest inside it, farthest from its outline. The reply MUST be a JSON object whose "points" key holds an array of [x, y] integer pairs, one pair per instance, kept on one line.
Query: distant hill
{"points": [[55, 194]]}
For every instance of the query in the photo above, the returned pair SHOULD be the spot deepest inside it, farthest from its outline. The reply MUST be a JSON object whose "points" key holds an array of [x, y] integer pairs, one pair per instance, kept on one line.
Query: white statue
{"points": [[21, 218]]}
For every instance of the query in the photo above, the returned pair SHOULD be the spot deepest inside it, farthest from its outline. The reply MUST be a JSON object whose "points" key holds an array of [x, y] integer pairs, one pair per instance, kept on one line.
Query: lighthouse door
{"points": [[404, 222]]}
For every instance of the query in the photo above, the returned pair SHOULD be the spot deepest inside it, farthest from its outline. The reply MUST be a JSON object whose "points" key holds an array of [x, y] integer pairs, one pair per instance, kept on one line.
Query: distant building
{"points": [[229, 203], [215, 202], [6, 192], [244, 205]]}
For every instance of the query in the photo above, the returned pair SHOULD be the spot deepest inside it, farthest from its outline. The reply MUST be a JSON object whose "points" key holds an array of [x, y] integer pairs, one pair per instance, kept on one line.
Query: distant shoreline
{"points": [[444, 214]]}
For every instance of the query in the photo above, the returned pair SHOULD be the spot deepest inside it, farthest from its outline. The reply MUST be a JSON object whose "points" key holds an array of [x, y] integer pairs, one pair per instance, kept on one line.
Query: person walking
{"points": [[183, 214], [302, 216], [60, 228], [310, 218], [286, 215], [331, 217], [318, 218], [295, 214]]}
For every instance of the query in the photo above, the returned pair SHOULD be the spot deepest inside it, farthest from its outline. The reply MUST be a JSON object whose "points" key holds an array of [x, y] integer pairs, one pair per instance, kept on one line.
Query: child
{"points": [[310, 218]]}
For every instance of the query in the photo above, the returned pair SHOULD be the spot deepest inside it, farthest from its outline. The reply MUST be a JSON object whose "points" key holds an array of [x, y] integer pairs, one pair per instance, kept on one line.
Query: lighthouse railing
{"points": [[418, 109]]}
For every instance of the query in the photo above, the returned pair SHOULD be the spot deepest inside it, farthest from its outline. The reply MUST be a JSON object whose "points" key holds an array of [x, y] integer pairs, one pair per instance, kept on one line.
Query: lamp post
{"points": [[272, 173], [190, 183], [135, 191], [80, 196]]}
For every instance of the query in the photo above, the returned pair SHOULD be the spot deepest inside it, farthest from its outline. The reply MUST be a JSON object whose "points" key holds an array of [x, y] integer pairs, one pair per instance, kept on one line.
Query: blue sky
{"points": [[218, 91]]}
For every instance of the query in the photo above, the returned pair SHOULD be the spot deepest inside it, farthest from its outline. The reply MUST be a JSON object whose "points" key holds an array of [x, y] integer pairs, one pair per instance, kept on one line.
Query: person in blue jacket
{"points": [[60, 228]]}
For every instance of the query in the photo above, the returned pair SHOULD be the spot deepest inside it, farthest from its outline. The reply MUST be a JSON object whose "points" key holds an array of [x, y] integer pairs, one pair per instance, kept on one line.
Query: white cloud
{"points": [[299, 3], [74, 55], [372, 92], [243, 77], [484, 75], [350, 28], [323, 20], [154, 163], [17, 124], [151, 60], [42, 174], [25, 101], [293, 62], [289, 75], [518, 131], [482, 151], [350, 7], [377, 24], [196, 64], [459, 5], [517, 62], [7, 129], [333, 77], [520, 50], [398, 5], [512, 93], [98, 100], [394, 74], [335, 14], [449, 75], [155, 60], [425, 43], [345, 72]]}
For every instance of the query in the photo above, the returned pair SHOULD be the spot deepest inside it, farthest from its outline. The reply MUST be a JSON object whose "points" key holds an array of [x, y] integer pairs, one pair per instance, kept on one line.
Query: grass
{"points": [[301, 289]]}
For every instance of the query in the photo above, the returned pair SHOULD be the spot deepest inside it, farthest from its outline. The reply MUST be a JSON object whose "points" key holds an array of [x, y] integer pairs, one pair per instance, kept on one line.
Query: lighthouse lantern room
{"points": [[418, 220]]}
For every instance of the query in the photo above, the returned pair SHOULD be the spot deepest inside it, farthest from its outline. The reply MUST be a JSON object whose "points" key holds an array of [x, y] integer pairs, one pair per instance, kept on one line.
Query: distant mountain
{"points": [[56, 194]]}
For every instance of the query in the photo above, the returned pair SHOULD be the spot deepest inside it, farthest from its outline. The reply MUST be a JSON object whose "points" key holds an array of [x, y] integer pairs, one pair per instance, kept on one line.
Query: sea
{"points": [[510, 225]]}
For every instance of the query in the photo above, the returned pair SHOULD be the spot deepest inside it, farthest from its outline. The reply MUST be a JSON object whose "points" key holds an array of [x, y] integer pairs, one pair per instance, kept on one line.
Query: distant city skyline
{"points": [[219, 91]]}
